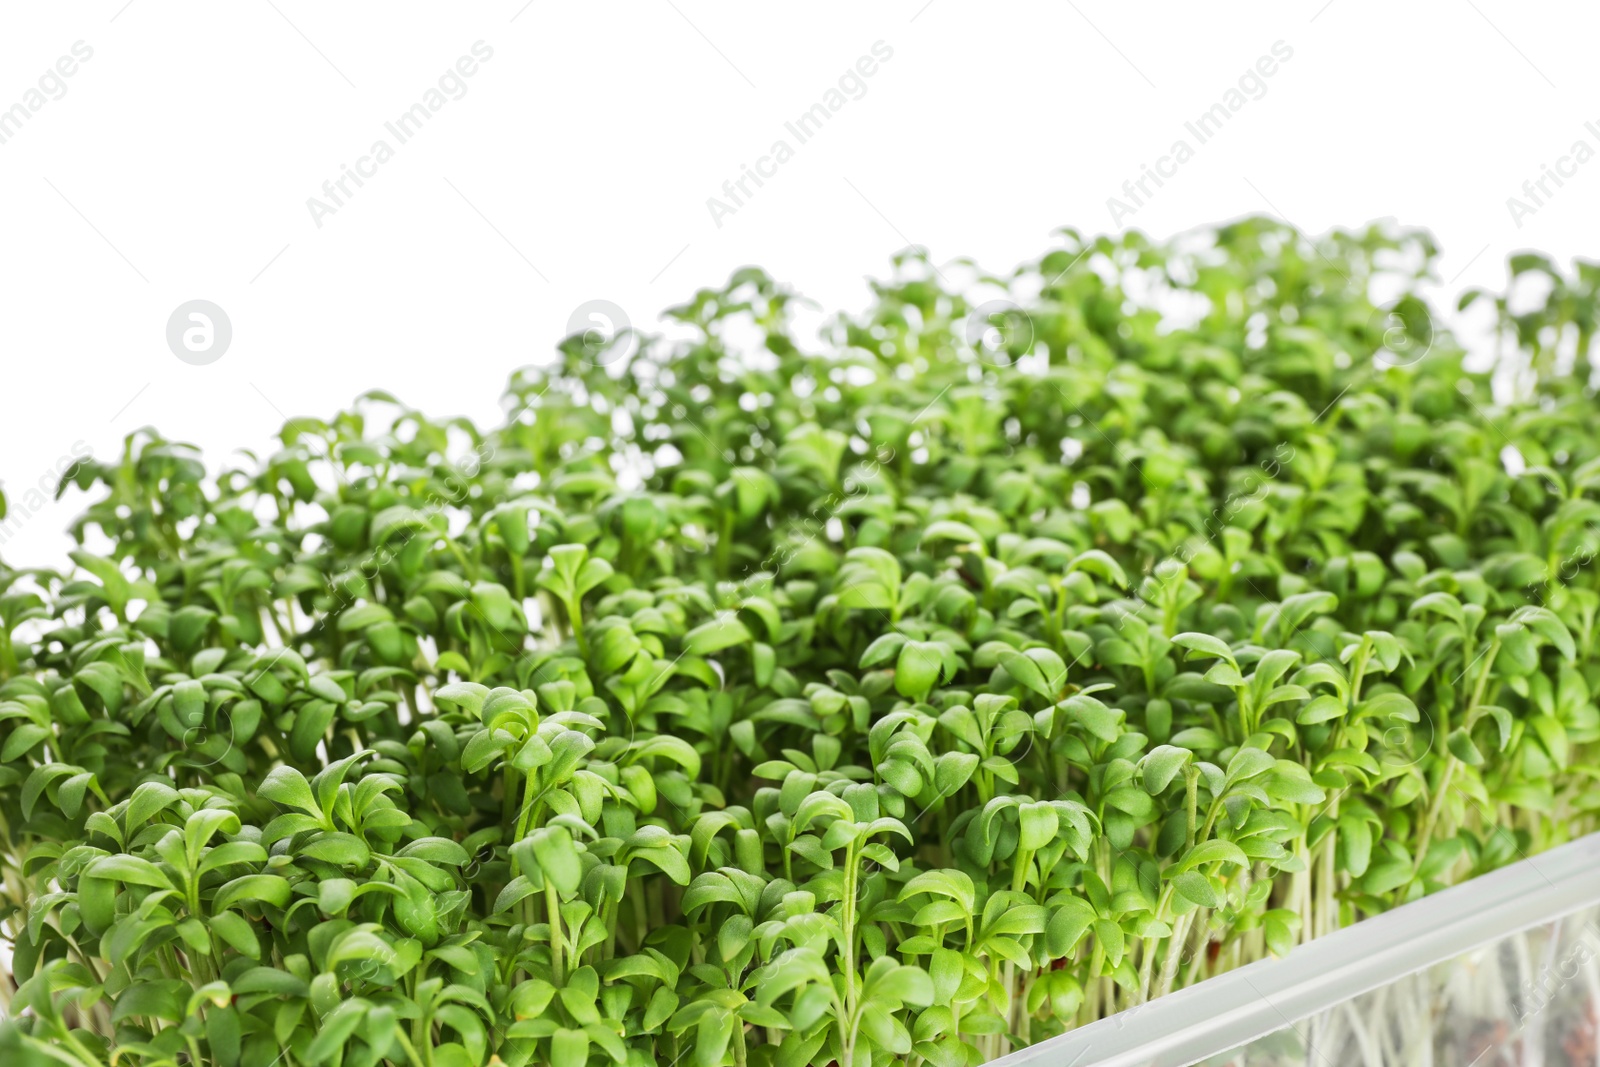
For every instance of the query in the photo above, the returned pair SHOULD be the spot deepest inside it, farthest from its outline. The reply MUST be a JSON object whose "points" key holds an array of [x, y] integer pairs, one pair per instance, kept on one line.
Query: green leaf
{"points": [[287, 786], [130, 870], [1039, 823], [1026, 671], [722, 632], [918, 669], [1463, 748], [1068, 924], [343, 850], [952, 770], [1320, 709], [1214, 851], [1196, 888], [949, 530], [556, 855], [1161, 766], [236, 931], [252, 888], [336, 1029], [21, 740], [1248, 763], [1280, 927], [1198, 644], [469, 696], [1103, 722]]}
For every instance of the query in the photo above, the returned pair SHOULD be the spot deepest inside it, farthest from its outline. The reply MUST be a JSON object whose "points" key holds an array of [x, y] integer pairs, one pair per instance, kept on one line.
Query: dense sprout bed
{"points": [[1022, 649]]}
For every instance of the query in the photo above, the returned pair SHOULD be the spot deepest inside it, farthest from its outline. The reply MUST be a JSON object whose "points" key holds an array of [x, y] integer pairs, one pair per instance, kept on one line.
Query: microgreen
{"points": [[896, 701]]}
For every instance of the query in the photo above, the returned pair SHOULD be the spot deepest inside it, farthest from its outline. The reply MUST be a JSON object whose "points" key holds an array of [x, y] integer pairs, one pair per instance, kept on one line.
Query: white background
{"points": [[578, 166]]}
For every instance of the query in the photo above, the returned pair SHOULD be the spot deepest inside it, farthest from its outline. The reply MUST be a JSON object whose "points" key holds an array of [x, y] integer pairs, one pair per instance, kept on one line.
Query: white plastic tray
{"points": [[1230, 1010]]}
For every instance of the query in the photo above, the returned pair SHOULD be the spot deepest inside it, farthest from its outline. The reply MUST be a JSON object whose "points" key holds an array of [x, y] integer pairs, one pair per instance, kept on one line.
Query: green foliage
{"points": [[906, 700]]}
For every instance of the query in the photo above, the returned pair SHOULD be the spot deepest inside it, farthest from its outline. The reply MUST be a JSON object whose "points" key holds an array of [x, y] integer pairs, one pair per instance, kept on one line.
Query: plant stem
{"points": [[552, 903], [1431, 820]]}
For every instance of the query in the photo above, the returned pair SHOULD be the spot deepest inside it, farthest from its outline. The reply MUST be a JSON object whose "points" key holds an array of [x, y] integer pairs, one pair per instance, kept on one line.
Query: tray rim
{"points": [[1222, 1013]]}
